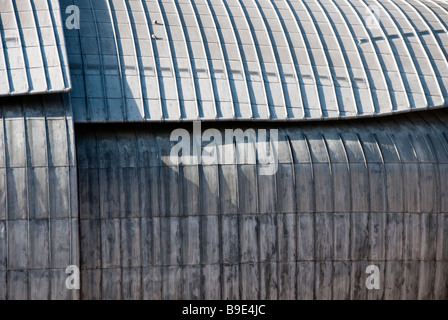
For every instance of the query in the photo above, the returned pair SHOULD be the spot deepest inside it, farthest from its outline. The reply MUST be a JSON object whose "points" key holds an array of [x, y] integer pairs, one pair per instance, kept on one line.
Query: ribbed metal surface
{"points": [[33, 57], [346, 195], [256, 59], [38, 198]]}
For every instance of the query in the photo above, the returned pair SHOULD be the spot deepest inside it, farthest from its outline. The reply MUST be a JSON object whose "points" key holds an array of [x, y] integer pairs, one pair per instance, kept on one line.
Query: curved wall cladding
{"points": [[256, 59], [346, 195], [33, 57], [38, 198]]}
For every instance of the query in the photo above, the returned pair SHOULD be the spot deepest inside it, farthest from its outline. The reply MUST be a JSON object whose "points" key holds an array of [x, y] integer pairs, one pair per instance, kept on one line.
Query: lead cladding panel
{"points": [[345, 195], [33, 56], [164, 60], [38, 198]]}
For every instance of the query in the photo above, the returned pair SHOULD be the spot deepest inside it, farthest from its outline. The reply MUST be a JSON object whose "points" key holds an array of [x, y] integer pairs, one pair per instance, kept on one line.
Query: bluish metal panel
{"points": [[33, 56], [159, 60]]}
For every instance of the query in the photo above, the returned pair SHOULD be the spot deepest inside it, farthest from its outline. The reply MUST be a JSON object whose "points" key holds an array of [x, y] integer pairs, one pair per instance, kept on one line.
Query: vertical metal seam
{"points": [[403, 213], [139, 214], [386, 213], [439, 161], [131, 24], [335, 35], [101, 58], [209, 65], [274, 52], [3, 60], [421, 213], [307, 55], [369, 202], [5, 145], [424, 48], [436, 175], [250, 30], [383, 67], [156, 67], [277, 238], [408, 51], [332, 214], [119, 53], [159, 193], [257, 220], [25, 60], [376, 52], [294, 212], [440, 21], [48, 146], [201, 230], [56, 41], [312, 213], [220, 241], [238, 220], [195, 15], [308, 50], [437, 186], [325, 54], [349, 253], [69, 191], [187, 51], [99, 268], [173, 64], [218, 36], [225, 55], [369, 207], [183, 232], [436, 35], [378, 147], [365, 69], [414, 57], [292, 54], [27, 194], [66, 68], [83, 62], [291, 153]]}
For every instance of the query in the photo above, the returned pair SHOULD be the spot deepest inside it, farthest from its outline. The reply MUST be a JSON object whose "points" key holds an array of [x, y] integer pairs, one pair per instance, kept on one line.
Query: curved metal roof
{"points": [[257, 59], [33, 58], [347, 194]]}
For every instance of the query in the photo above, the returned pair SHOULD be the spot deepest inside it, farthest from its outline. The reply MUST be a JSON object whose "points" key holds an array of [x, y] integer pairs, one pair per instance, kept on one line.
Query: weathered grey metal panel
{"points": [[346, 195], [33, 57], [38, 198], [159, 60]]}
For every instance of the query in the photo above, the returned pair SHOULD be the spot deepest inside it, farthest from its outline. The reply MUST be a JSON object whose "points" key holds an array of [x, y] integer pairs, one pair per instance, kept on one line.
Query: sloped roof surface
{"points": [[137, 60], [33, 57]]}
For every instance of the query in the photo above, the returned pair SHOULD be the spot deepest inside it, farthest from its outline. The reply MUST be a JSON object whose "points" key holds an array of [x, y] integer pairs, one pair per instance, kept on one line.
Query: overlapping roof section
{"points": [[139, 60], [33, 57]]}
